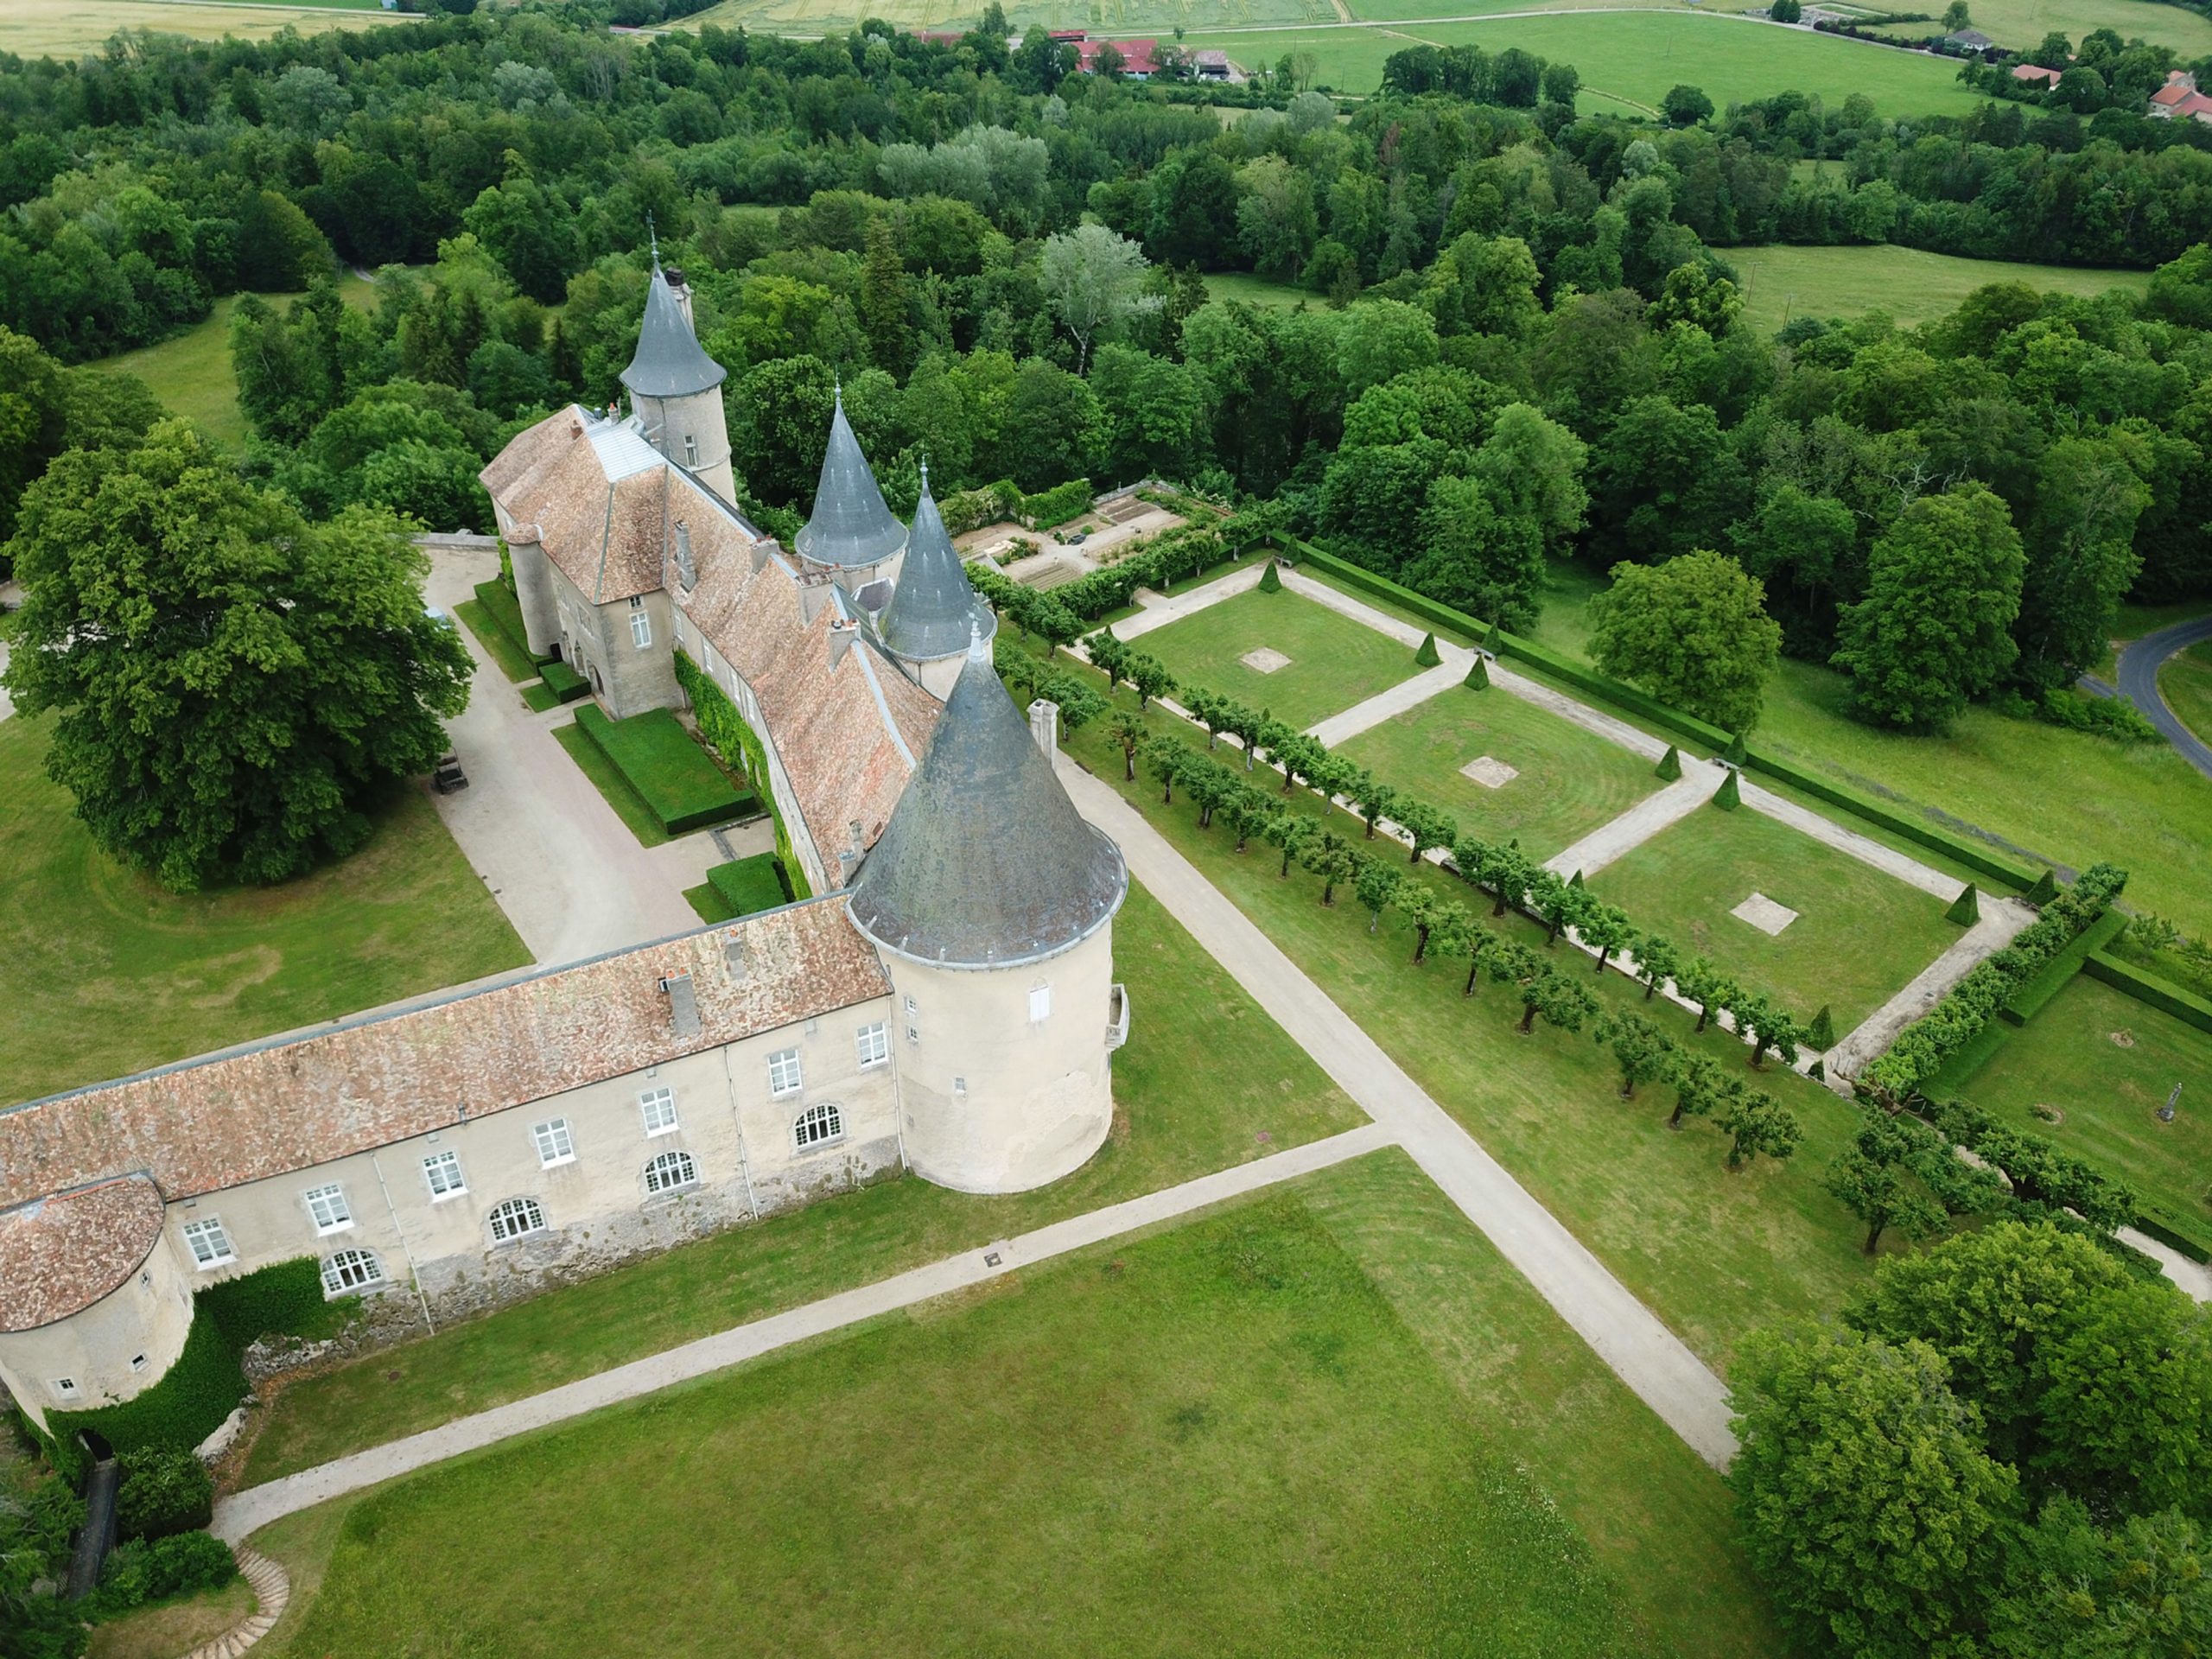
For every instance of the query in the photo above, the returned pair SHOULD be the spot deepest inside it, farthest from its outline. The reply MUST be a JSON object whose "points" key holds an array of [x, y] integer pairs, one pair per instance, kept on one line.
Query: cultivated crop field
{"points": [[65, 28], [1911, 286]]}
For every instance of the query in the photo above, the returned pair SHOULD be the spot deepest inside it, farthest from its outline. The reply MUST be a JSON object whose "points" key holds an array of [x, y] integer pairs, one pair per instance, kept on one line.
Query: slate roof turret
{"points": [[851, 527], [934, 608], [670, 362], [986, 862]]}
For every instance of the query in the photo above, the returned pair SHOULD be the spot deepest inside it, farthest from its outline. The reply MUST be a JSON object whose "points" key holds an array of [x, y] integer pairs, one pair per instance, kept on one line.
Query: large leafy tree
{"points": [[1692, 632], [1934, 628], [235, 687]]}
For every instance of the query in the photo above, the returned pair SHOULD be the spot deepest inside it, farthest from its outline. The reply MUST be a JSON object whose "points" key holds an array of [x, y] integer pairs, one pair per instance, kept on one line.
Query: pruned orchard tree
{"points": [[236, 689]]}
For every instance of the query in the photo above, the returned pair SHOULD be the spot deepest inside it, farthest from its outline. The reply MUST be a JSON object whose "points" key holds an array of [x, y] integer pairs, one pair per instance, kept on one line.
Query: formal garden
{"points": [[1300, 660]]}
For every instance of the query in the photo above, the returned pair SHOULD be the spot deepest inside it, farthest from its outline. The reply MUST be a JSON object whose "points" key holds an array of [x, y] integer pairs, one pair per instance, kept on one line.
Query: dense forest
{"points": [[1521, 340]]}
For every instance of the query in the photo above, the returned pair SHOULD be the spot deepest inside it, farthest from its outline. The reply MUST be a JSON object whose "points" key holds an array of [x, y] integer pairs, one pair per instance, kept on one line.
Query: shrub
{"points": [[1477, 677], [967, 509], [1427, 657], [727, 734], [748, 885], [2045, 889], [182, 1409], [1058, 504], [1271, 583], [1736, 754], [165, 1490], [1966, 909], [564, 683], [283, 1298], [1729, 797], [1669, 769], [181, 1566], [1820, 1033]]}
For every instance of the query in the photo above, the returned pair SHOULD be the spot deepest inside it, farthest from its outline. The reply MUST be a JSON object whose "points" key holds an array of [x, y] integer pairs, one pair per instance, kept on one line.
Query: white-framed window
{"points": [[554, 1144], [641, 629], [328, 1209], [210, 1244], [442, 1171], [914, 1033], [873, 1043], [1040, 1005], [64, 1388], [818, 1126], [691, 452], [350, 1270], [137, 1362], [516, 1217], [669, 1170], [910, 1006], [658, 1107], [782, 1072]]}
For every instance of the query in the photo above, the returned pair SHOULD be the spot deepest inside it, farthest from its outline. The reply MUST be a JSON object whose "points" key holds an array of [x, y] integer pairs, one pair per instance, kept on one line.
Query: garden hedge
{"points": [[563, 682], [749, 885], [188, 1405], [2055, 974], [678, 783], [2146, 986], [727, 734], [501, 605], [1058, 504]]}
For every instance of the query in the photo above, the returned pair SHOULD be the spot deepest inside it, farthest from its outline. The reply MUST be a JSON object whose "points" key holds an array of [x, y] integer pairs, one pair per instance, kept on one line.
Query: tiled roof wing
{"points": [[934, 608], [850, 526], [986, 861], [59, 1255], [669, 362]]}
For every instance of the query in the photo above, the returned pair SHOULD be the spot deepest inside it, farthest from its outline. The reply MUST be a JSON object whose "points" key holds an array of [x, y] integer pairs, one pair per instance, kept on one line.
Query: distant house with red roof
{"points": [[1140, 58], [2179, 99], [2035, 74]]}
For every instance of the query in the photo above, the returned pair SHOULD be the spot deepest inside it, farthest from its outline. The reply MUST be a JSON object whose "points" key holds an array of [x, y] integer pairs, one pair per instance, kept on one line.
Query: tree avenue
{"points": [[235, 688]]}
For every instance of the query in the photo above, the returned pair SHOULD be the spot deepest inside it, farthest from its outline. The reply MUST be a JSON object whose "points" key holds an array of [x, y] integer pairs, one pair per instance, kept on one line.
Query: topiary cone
{"points": [[2045, 889], [1820, 1033], [1729, 797], [1495, 641], [1270, 582], [1966, 909], [1574, 881], [1670, 765], [1477, 677], [1735, 754], [1427, 656]]}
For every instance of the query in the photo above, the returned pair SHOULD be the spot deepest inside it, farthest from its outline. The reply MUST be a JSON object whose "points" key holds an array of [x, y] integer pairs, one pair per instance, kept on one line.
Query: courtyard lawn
{"points": [[1206, 1081], [515, 664], [1263, 1431], [1334, 662], [606, 778], [2108, 1094], [1859, 937], [1713, 1253], [1569, 781], [103, 973], [2185, 683], [1910, 285]]}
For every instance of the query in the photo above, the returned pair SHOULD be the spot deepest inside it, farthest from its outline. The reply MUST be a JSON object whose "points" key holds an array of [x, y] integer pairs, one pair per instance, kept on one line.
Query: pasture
{"points": [[2021, 24], [1909, 285], [62, 28]]}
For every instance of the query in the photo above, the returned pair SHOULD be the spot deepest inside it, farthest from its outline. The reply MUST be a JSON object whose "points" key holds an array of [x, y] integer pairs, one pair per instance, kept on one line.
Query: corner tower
{"points": [[933, 611], [851, 535], [993, 903], [676, 388]]}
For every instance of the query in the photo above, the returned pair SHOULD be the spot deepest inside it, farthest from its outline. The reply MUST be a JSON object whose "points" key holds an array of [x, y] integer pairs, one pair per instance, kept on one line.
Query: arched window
{"points": [[669, 1170], [515, 1217], [344, 1270], [817, 1126]]}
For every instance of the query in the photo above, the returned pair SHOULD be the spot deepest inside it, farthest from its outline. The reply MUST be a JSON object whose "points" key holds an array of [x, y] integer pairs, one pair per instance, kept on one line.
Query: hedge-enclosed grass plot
{"points": [[2090, 1072], [677, 778], [1858, 939], [1566, 782], [1329, 663], [1221, 1438], [752, 884]]}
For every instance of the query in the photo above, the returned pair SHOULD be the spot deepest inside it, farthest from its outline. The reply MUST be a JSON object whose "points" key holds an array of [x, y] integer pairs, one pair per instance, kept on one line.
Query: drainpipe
{"points": [[744, 1162], [414, 1267]]}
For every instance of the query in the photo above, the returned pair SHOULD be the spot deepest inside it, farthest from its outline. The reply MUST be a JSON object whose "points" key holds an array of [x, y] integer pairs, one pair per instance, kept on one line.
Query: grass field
{"points": [[191, 372], [1858, 937], [1911, 286], [1570, 780], [2185, 683], [2109, 1092], [1334, 662], [1119, 17], [59, 28], [1326, 1421], [2022, 24], [1632, 58], [103, 973], [1206, 1081], [1258, 290], [1713, 1253], [172, 1627]]}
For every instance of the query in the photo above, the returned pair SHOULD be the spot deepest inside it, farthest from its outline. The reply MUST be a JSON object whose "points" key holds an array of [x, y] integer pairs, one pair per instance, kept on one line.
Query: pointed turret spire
{"points": [[669, 362], [934, 609], [986, 861], [851, 527]]}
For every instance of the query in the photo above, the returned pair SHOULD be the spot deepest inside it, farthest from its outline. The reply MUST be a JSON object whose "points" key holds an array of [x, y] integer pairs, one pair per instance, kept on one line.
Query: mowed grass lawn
{"points": [[2021, 24], [170, 1627], [1207, 1081], [1569, 781], [1911, 286], [1334, 661], [1713, 1253], [1635, 56], [1859, 937], [104, 973], [2185, 683], [2109, 1092], [1323, 1420]]}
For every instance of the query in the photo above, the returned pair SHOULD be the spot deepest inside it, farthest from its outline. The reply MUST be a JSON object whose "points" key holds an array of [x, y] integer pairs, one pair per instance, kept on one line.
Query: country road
{"points": [[2137, 674]]}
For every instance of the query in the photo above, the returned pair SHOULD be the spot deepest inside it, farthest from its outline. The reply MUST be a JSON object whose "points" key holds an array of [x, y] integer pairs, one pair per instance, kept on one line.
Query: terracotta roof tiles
{"points": [[59, 1255]]}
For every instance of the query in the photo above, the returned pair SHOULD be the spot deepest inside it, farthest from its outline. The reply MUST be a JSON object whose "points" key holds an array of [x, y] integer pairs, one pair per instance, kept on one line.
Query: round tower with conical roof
{"points": [[852, 536], [992, 901], [934, 610], [676, 388]]}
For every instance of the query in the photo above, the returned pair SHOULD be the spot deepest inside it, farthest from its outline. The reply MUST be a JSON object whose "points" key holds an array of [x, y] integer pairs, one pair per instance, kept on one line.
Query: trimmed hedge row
{"points": [[505, 611], [2167, 1228], [2144, 987], [683, 788], [563, 682], [2055, 974], [1952, 1075], [1920, 832], [748, 885], [1057, 505], [727, 734]]}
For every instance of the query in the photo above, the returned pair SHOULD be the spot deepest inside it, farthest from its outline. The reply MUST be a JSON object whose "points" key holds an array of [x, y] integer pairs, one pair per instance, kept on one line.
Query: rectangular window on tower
{"points": [[641, 625]]}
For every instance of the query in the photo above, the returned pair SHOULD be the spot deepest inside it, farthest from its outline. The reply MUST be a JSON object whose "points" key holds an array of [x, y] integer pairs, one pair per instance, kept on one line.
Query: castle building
{"points": [[947, 1005]]}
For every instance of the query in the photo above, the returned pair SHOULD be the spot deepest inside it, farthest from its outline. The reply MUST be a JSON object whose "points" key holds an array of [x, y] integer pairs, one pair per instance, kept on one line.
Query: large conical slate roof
{"points": [[669, 362], [934, 608], [850, 526], [986, 861]]}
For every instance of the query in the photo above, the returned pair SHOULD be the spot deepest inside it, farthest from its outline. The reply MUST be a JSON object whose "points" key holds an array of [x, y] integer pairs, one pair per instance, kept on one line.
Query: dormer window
{"points": [[691, 452]]}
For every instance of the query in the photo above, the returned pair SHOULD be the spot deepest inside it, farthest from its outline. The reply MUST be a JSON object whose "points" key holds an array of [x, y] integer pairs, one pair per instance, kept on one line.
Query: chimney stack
{"points": [[1044, 724]]}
